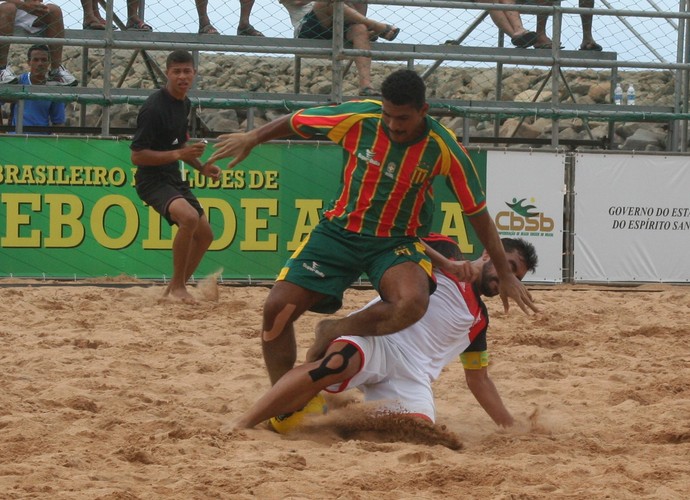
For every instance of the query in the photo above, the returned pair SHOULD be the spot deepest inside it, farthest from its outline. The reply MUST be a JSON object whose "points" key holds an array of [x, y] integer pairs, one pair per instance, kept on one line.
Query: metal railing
{"points": [[556, 60]]}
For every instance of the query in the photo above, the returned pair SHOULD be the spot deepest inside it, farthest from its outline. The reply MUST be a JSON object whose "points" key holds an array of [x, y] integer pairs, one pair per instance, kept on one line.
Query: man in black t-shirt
{"points": [[159, 143]]}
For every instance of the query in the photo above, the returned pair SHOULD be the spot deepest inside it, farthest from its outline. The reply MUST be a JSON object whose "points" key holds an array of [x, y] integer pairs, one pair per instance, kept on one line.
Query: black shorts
{"points": [[311, 28], [159, 187]]}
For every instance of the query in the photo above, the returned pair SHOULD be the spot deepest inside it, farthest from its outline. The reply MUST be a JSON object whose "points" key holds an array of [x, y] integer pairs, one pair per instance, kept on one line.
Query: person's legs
{"points": [[324, 13], [8, 11], [184, 248], [510, 23], [55, 28], [245, 12], [90, 20], [134, 20], [543, 40], [359, 31], [205, 26], [285, 303], [97, 12], [53, 25], [299, 385], [358, 34], [202, 239], [133, 11], [588, 42], [404, 289], [244, 27]]}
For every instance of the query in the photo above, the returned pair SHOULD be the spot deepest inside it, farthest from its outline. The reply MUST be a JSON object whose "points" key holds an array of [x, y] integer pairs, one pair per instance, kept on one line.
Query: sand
{"points": [[108, 393]]}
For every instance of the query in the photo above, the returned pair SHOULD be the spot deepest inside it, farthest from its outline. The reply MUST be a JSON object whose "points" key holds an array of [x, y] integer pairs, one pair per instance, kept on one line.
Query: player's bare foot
{"points": [[323, 336], [179, 294]]}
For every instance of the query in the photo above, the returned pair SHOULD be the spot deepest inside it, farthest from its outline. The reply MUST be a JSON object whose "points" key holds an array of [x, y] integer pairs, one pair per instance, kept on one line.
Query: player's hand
{"points": [[236, 146], [513, 288], [34, 7], [464, 270], [211, 170], [192, 152]]}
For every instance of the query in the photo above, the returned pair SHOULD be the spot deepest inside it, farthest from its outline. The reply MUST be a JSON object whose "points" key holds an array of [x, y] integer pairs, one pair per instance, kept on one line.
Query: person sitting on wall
{"points": [[359, 29], [34, 17], [510, 22], [588, 43]]}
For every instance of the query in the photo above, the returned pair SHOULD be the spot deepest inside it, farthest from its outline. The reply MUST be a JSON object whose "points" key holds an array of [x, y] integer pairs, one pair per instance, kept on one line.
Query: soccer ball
{"points": [[284, 424]]}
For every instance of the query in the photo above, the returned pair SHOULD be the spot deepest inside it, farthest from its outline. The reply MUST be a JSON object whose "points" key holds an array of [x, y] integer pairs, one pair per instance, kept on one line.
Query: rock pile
{"points": [[242, 73]]}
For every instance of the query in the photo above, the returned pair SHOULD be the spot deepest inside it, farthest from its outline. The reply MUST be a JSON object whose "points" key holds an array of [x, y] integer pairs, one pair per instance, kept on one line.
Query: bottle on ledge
{"points": [[631, 95], [618, 94]]}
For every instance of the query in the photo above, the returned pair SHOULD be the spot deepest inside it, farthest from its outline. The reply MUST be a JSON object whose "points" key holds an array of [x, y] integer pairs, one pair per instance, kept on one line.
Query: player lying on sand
{"points": [[398, 369]]}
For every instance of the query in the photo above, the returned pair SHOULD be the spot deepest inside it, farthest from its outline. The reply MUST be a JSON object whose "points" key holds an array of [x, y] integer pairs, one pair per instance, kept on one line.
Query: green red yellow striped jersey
{"points": [[386, 187]]}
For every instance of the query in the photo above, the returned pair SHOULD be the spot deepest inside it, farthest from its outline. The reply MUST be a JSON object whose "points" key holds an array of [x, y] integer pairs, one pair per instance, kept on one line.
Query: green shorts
{"points": [[330, 259]]}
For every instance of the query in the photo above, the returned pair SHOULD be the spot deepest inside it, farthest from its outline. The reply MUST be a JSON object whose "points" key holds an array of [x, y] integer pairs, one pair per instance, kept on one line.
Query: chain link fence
{"points": [[475, 76]]}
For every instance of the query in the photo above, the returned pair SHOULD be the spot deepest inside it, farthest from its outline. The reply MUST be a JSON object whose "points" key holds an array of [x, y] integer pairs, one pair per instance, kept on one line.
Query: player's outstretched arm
{"points": [[464, 270], [486, 394], [238, 146]]}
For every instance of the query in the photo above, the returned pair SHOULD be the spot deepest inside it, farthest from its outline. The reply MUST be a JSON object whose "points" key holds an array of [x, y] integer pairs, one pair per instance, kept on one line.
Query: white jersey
{"points": [[452, 320], [398, 368]]}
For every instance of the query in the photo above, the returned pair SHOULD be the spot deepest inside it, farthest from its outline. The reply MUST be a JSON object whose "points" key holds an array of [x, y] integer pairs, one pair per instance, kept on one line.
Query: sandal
{"points": [[138, 26], [591, 46], [525, 40], [545, 45], [248, 30], [94, 25], [390, 33], [208, 30], [368, 92]]}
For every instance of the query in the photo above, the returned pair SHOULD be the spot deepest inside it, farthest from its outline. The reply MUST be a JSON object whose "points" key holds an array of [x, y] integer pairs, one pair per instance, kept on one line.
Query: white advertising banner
{"points": [[525, 198], [632, 218]]}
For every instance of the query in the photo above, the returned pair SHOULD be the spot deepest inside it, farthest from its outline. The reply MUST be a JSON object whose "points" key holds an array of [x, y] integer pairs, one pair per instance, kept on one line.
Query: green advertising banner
{"points": [[68, 209]]}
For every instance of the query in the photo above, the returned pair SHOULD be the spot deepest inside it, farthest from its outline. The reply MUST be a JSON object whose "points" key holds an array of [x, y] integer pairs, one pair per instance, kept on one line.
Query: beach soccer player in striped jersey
{"points": [[395, 372], [392, 151]]}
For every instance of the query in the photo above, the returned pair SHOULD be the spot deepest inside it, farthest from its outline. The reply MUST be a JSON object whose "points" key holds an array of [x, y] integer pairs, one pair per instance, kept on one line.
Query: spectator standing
{"points": [[93, 20], [38, 113], [244, 27], [34, 17], [205, 26]]}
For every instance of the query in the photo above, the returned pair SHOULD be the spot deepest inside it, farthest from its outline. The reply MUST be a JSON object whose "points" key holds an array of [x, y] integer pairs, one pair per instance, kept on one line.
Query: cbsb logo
{"points": [[523, 218]]}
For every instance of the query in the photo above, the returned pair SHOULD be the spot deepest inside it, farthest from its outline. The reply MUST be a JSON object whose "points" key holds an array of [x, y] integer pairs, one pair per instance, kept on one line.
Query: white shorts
{"points": [[25, 21], [297, 11], [387, 375]]}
